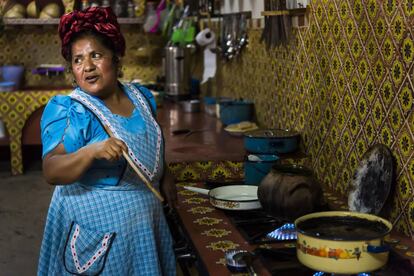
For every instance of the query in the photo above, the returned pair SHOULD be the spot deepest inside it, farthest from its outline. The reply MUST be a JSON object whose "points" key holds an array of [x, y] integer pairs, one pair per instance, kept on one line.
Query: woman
{"points": [[102, 218]]}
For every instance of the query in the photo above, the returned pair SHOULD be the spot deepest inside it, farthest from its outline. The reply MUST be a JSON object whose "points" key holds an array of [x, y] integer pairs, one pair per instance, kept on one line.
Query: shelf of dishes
{"points": [[55, 21]]}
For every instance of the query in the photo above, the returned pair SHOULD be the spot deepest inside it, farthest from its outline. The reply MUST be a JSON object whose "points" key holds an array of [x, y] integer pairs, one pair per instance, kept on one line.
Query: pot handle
{"points": [[197, 190], [378, 249]]}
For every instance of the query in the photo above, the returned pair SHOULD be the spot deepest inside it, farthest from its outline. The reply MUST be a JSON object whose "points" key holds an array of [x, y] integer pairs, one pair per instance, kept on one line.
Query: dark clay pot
{"points": [[290, 191]]}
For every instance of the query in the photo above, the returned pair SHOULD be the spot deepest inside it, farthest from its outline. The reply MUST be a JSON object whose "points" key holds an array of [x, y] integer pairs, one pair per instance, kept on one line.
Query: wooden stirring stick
{"points": [[132, 164]]}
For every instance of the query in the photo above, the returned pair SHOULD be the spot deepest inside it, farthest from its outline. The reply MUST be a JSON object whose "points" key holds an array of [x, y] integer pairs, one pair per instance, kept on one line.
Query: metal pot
{"points": [[191, 106], [342, 242], [235, 111], [256, 167], [271, 141], [231, 197]]}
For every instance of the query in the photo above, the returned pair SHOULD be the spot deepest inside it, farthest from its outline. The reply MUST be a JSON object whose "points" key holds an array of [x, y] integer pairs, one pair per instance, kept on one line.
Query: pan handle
{"points": [[197, 190]]}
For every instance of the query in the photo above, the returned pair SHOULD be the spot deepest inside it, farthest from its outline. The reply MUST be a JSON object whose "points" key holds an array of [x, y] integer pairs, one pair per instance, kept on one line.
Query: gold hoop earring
{"points": [[74, 83]]}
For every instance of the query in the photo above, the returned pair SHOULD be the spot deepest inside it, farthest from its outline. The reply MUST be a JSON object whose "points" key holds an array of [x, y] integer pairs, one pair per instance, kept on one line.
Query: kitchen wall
{"points": [[35, 45], [345, 82]]}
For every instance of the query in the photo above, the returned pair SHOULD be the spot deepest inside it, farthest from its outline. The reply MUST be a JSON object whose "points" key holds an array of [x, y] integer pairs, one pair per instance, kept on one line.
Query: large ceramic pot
{"points": [[289, 191], [342, 242]]}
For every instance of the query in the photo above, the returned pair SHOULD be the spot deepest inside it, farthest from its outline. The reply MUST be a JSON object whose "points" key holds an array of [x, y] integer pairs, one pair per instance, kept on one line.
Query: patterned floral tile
{"points": [[349, 86], [35, 46]]}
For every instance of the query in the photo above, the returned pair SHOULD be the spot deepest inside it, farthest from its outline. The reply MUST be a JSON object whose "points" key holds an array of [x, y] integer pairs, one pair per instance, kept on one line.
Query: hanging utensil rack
{"points": [[279, 21]]}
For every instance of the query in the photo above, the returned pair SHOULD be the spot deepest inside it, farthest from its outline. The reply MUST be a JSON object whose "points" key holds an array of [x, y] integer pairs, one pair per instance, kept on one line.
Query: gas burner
{"points": [[284, 233], [257, 227]]}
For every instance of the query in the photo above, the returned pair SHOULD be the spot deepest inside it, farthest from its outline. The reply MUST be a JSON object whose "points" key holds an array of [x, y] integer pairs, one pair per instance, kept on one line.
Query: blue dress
{"points": [[108, 222]]}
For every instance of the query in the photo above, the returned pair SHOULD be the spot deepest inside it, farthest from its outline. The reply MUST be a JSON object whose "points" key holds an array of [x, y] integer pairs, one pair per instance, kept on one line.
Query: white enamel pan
{"points": [[231, 197]]}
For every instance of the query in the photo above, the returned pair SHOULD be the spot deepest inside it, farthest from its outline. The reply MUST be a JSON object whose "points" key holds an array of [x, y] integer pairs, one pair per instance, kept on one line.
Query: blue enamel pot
{"points": [[271, 141], [256, 167], [235, 111]]}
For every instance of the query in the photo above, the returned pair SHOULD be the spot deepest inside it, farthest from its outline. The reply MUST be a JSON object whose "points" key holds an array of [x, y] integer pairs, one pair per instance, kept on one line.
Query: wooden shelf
{"points": [[55, 21], [291, 12], [132, 20]]}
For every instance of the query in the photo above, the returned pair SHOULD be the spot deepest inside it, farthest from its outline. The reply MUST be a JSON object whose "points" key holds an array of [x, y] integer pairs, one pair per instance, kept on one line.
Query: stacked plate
{"points": [[240, 128]]}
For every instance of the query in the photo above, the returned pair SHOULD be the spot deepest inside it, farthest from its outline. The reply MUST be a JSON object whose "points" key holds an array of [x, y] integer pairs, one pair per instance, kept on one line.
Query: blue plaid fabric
{"points": [[112, 230], [145, 150]]}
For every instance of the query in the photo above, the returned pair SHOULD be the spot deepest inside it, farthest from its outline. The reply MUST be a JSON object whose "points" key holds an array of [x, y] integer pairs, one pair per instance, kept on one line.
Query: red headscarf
{"points": [[101, 20]]}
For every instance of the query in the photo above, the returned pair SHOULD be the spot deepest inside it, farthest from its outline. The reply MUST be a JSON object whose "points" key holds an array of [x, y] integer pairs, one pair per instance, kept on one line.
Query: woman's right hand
{"points": [[61, 168], [110, 149]]}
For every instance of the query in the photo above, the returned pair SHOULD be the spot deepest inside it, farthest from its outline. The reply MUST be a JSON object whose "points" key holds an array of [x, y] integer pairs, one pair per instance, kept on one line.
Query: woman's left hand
{"points": [[168, 189]]}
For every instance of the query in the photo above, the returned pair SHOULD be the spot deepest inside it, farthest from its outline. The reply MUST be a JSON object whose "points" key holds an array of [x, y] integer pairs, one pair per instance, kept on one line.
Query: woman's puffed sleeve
{"points": [[64, 121], [150, 98]]}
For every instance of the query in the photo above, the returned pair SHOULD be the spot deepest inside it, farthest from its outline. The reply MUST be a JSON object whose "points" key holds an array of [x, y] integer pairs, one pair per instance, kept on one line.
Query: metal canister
{"points": [[177, 70]]}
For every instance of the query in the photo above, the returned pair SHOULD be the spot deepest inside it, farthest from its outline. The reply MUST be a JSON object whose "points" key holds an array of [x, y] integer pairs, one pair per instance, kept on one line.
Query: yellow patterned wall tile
{"points": [[363, 30], [350, 85], [407, 50], [380, 29], [408, 8], [379, 71], [388, 49], [390, 7], [398, 28], [358, 9], [386, 136], [396, 117], [398, 72], [404, 188], [361, 145], [343, 9], [405, 141], [371, 48]]}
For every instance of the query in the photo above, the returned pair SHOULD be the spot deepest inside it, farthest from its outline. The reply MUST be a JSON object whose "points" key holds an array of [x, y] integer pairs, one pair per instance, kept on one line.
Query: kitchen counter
{"points": [[207, 142]]}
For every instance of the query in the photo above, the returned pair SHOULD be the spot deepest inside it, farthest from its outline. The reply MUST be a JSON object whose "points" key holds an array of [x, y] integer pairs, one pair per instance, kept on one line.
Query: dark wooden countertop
{"points": [[212, 234], [209, 142]]}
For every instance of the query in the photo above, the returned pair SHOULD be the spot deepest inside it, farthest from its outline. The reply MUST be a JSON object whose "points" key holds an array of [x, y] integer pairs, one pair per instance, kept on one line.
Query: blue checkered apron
{"points": [[111, 230]]}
